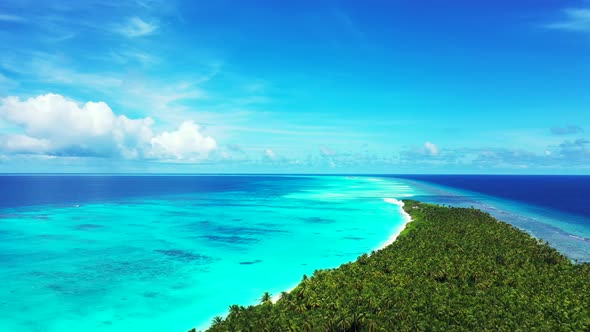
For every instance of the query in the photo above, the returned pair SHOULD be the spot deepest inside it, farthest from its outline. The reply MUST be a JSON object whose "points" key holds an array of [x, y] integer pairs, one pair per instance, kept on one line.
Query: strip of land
{"points": [[451, 269]]}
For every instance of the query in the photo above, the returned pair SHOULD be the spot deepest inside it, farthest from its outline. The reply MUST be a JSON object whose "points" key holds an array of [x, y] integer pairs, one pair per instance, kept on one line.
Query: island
{"points": [[451, 269]]}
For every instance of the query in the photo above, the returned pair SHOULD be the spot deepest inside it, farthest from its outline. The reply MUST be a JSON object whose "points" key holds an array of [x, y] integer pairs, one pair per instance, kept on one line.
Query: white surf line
{"points": [[405, 215]]}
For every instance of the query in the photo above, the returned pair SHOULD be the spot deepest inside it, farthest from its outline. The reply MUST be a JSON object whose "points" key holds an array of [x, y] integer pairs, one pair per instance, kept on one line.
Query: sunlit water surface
{"points": [[170, 253]]}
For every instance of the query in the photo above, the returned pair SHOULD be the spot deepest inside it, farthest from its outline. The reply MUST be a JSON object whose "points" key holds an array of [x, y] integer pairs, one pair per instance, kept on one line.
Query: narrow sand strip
{"points": [[406, 216]]}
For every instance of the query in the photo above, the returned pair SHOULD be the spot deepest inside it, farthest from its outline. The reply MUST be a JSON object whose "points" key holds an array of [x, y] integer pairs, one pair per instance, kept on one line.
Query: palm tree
{"points": [[217, 320], [357, 319], [265, 298], [397, 290], [284, 295], [344, 323]]}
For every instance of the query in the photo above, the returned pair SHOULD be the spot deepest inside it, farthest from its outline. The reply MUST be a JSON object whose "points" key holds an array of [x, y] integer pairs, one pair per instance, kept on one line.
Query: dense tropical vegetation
{"points": [[451, 269]]}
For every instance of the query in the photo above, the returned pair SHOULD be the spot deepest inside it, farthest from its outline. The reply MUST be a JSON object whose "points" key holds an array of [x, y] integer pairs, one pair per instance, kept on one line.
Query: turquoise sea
{"points": [[168, 253]]}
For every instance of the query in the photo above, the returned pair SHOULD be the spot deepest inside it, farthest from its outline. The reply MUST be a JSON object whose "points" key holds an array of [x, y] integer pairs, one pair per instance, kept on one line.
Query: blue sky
{"points": [[305, 87]]}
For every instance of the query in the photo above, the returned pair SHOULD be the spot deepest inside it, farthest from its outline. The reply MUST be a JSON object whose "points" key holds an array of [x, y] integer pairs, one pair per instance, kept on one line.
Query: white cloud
{"points": [[55, 117], [576, 19], [132, 136], [136, 27], [185, 143], [55, 125], [431, 149], [270, 154], [24, 144]]}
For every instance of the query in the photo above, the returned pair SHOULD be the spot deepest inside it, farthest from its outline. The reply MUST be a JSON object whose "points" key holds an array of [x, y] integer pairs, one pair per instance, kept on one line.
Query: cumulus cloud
{"points": [[566, 130], [136, 27], [25, 144], [185, 143], [57, 117], [66, 128], [430, 149], [55, 125]]}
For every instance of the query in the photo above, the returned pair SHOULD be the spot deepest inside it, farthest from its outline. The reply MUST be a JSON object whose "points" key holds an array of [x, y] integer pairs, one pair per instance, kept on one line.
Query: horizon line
{"points": [[286, 174]]}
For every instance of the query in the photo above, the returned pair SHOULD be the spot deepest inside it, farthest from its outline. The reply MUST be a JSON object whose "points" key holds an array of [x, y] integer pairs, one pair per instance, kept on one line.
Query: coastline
{"points": [[277, 297], [390, 240], [566, 232], [407, 219], [335, 294]]}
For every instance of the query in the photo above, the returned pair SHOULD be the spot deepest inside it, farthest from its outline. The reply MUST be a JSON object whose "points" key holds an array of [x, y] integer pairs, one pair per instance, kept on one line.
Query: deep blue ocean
{"points": [[25, 190], [168, 252], [569, 194]]}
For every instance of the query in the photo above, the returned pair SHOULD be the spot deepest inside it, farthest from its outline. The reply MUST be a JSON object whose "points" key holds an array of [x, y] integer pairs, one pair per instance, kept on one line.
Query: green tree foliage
{"points": [[452, 269]]}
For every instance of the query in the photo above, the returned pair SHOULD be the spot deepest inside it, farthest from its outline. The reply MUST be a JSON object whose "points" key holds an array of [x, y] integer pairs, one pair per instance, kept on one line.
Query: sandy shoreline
{"points": [[406, 217]]}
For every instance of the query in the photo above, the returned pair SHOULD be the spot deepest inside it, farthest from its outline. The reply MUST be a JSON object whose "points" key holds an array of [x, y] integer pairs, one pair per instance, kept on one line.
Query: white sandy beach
{"points": [[406, 216]]}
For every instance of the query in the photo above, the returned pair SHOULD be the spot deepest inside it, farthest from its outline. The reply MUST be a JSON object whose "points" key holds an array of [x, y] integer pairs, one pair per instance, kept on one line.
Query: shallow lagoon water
{"points": [[170, 262], [170, 253]]}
